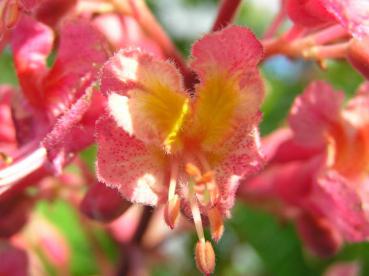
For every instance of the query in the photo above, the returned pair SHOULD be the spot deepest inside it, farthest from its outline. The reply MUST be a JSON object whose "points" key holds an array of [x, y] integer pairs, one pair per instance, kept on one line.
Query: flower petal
{"points": [[31, 43], [352, 14], [341, 204], [7, 134], [242, 158], [314, 112], [281, 147], [357, 109], [308, 13], [125, 163], [232, 49], [74, 130], [153, 106], [230, 90], [71, 74]]}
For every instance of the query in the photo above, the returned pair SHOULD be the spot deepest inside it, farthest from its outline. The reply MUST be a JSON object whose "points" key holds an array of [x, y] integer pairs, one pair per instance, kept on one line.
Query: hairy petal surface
{"points": [[72, 73], [74, 130], [124, 163], [242, 159], [145, 97], [314, 112], [230, 90], [341, 204]]}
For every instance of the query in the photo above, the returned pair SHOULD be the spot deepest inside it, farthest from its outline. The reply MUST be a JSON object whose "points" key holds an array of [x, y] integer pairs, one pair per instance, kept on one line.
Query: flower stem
{"points": [[227, 10]]}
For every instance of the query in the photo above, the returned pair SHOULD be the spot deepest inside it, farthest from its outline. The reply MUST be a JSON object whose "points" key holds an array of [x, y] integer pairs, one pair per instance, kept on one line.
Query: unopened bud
{"points": [[14, 261], [358, 55], [103, 203], [14, 212], [216, 223], [171, 211], [205, 257]]}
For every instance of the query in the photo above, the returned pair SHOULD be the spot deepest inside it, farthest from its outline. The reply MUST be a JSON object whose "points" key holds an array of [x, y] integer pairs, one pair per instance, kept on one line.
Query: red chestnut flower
{"points": [[325, 29], [319, 168], [159, 143]]}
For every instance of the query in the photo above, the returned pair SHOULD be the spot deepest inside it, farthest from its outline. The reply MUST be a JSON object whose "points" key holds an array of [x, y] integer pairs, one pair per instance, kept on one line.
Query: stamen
{"points": [[192, 170], [197, 218], [329, 51], [212, 191], [216, 223]]}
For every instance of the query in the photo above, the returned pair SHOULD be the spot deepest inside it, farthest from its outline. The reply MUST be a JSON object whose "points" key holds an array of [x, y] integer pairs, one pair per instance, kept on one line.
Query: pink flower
{"points": [[312, 171], [58, 111], [325, 29], [159, 143], [351, 14]]}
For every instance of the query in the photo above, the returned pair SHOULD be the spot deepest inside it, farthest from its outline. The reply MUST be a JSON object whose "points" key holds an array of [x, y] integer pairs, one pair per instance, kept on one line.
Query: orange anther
{"points": [[205, 257], [171, 211], [193, 170]]}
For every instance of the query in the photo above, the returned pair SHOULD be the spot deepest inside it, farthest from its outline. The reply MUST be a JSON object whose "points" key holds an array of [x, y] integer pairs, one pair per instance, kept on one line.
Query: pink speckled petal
{"points": [[145, 95], [341, 204], [314, 112], [132, 68], [231, 49], [352, 14], [230, 91], [242, 158], [124, 163]]}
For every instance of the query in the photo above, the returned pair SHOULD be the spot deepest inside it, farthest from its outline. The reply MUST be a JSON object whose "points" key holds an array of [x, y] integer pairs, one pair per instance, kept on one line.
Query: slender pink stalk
{"points": [[227, 11], [330, 51], [311, 47], [277, 21]]}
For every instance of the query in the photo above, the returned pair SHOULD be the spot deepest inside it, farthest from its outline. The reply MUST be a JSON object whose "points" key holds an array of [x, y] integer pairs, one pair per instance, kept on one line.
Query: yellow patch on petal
{"points": [[159, 114], [216, 108]]}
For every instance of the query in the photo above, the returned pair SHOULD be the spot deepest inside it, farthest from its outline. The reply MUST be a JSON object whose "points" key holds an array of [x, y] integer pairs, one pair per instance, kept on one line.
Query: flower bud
{"points": [[103, 203], [14, 261], [171, 211], [358, 55], [13, 214], [205, 257]]}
